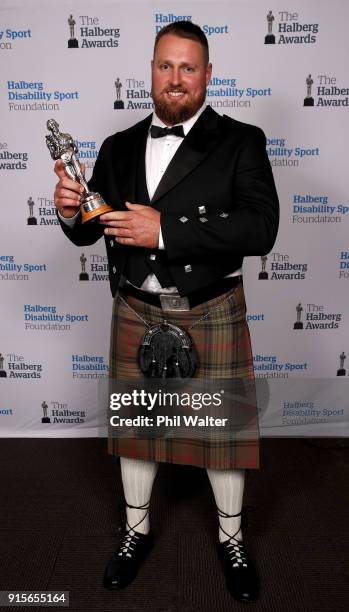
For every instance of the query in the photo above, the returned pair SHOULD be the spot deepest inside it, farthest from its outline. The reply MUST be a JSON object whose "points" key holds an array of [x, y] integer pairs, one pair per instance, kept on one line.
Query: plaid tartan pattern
{"points": [[224, 348]]}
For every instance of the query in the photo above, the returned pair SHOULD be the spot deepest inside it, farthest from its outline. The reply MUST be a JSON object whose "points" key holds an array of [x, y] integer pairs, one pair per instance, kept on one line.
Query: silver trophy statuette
{"points": [[62, 146]]}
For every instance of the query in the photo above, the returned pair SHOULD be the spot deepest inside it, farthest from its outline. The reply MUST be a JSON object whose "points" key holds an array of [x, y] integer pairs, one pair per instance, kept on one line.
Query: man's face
{"points": [[179, 78]]}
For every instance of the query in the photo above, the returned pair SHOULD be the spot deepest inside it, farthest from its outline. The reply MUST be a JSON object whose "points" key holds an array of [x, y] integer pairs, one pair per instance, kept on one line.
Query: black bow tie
{"points": [[158, 132]]}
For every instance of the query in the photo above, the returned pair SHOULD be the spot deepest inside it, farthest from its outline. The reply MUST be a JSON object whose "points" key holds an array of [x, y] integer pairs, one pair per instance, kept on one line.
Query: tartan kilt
{"points": [[223, 345]]}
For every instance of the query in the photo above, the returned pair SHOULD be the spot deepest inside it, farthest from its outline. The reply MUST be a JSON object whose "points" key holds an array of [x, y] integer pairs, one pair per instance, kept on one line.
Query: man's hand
{"points": [[137, 226], [67, 195]]}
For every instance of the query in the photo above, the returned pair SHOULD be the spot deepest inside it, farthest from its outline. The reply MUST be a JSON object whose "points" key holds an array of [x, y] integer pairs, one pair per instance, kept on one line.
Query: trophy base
{"points": [[119, 105], [45, 420], [83, 276], [3, 374], [308, 102], [73, 43], [298, 325], [92, 207], [269, 39], [341, 372], [263, 276], [32, 221]]}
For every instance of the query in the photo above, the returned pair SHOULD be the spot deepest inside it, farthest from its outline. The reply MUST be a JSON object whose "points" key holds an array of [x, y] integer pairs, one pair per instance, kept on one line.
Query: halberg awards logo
{"points": [[342, 371], [19, 367], [327, 92], [72, 42], [290, 30], [92, 35], [98, 267], [263, 275], [3, 373], [282, 268], [83, 276], [46, 211], [60, 413], [308, 100], [316, 318], [270, 38], [118, 104], [45, 418], [137, 96], [298, 323], [7, 157], [31, 219]]}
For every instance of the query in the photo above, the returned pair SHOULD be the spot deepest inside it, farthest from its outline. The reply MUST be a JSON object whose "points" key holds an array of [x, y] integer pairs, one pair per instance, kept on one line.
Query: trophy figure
{"points": [[342, 358], [62, 146], [270, 38], [298, 324], [72, 42], [31, 219], [3, 373], [118, 104], [309, 100], [263, 275], [83, 274], [45, 418]]}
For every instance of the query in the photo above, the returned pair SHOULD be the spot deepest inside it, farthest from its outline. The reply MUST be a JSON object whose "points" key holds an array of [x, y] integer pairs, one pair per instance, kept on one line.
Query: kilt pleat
{"points": [[223, 345]]}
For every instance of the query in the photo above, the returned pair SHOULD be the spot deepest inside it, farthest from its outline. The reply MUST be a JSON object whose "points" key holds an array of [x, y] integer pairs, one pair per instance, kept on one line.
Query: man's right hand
{"points": [[67, 195]]}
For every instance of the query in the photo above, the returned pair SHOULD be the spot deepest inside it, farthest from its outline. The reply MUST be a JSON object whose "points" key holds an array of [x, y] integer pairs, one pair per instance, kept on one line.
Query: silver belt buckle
{"points": [[173, 302]]}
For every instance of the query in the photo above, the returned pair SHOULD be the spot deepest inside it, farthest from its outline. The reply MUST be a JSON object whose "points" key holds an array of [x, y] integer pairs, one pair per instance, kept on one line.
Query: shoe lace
{"points": [[129, 541], [234, 548], [128, 544]]}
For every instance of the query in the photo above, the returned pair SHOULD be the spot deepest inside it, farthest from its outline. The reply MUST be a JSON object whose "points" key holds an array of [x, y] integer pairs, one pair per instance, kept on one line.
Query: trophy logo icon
{"points": [[270, 38], [298, 324], [62, 146], [45, 418], [118, 104], [263, 275], [31, 219], [309, 100], [3, 373], [341, 371], [72, 42], [83, 276]]}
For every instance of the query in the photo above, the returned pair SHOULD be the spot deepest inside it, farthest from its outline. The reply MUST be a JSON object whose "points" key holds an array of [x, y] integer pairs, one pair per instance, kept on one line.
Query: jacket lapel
{"points": [[201, 140], [129, 160]]}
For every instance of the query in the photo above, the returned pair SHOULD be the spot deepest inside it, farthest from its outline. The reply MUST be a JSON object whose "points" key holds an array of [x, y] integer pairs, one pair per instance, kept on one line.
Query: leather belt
{"points": [[172, 302]]}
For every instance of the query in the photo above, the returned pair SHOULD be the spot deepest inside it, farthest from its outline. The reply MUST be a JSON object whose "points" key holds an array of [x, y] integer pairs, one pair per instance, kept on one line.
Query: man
{"points": [[189, 203]]}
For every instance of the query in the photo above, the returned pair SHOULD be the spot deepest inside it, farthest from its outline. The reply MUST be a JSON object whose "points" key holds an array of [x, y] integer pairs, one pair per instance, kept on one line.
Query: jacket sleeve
{"points": [[248, 226], [88, 233]]}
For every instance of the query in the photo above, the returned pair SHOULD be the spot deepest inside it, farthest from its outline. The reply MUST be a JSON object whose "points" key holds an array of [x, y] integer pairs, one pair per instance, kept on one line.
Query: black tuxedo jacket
{"points": [[221, 165]]}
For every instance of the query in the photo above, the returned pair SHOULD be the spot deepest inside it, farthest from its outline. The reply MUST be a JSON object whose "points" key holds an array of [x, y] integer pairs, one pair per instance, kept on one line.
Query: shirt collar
{"points": [[187, 125]]}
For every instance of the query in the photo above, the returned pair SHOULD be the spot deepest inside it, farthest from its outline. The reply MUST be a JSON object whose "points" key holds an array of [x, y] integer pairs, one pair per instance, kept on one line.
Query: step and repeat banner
{"points": [[279, 65]]}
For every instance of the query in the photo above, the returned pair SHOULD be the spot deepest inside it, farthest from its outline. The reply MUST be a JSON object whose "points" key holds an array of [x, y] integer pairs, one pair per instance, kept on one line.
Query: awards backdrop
{"points": [[281, 66]]}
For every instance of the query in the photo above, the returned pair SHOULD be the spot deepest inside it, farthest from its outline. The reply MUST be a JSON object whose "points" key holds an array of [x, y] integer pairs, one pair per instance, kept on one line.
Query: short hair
{"points": [[185, 29]]}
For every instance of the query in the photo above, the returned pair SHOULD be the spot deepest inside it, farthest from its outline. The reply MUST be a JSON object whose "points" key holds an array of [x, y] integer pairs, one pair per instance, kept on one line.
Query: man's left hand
{"points": [[137, 226]]}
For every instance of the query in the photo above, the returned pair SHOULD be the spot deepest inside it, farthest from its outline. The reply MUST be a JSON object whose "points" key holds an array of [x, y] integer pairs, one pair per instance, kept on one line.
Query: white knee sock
{"points": [[228, 488], [137, 478]]}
